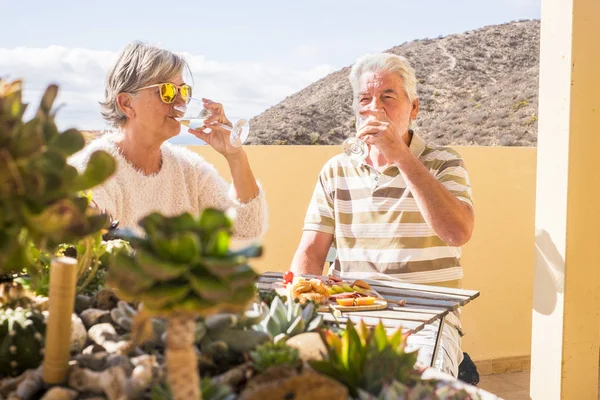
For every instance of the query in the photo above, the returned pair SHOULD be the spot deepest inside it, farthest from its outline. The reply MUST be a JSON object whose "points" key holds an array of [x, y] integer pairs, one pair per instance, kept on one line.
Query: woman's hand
{"points": [[218, 137]]}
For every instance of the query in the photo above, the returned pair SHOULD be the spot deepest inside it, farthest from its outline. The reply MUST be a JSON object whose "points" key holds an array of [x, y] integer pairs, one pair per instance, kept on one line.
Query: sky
{"points": [[248, 55]]}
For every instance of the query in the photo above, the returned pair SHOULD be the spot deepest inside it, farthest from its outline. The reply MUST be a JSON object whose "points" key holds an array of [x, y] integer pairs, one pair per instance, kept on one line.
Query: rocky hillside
{"points": [[475, 88]]}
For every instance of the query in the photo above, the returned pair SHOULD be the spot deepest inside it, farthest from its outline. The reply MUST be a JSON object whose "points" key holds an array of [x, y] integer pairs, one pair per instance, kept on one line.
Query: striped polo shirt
{"points": [[379, 232]]}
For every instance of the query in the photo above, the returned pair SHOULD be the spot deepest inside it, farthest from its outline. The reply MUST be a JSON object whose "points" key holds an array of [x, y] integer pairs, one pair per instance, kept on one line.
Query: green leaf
{"points": [[212, 220], [193, 304], [158, 269], [68, 142], [161, 295], [208, 286], [396, 339], [185, 247], [380, 336], [55, 219], [252, 251], [47, 101], [100, 167], [217, 244], [126, 276], [28, 140], [243, 276]]}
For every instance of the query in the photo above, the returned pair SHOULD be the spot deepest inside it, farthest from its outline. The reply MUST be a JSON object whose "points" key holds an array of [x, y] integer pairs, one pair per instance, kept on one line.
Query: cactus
{"points": [[273, 355], [40, 199], [181, 269], [220, 334], [285, 320], [367, 358], [22, 332]]}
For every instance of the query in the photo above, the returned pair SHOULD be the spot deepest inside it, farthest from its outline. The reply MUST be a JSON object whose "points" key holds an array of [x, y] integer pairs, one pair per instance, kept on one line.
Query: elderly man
{"points": [[402, 213]]}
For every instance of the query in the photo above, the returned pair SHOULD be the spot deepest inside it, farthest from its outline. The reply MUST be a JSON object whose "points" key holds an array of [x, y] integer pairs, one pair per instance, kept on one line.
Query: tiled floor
{"points": [[513, 386]]}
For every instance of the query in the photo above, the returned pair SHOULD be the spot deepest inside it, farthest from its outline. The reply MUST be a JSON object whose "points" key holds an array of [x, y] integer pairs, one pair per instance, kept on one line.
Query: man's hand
{"points": [[380, 132]]}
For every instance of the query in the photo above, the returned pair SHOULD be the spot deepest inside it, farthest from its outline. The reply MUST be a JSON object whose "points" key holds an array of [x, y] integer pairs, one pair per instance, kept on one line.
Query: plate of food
{"points": [[341, 294]]}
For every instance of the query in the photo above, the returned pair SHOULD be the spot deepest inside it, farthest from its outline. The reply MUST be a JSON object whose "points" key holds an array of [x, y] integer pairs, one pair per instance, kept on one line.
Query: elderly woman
{"points": [[142, 87]]}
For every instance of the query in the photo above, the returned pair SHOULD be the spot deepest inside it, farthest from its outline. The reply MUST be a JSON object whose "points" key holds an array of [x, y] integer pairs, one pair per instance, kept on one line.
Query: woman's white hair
{"points": [[384, 62], [138, 65]]}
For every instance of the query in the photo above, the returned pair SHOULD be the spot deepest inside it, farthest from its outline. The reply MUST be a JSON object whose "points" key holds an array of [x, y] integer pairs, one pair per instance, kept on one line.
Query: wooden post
{"points": [[63, 278]]}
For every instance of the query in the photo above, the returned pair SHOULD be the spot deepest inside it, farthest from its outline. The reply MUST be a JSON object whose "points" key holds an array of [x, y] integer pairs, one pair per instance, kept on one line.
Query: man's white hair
{"points": [[384, 62]]}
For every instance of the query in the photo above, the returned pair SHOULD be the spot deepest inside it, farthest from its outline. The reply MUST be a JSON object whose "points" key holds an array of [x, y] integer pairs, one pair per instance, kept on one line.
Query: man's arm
{"points": [[311, 253], [450, 218]]}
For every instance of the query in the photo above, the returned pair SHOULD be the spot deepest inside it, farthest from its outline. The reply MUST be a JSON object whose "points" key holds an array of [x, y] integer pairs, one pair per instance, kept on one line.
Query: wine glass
{"points": [[354, 147], [193, 115]]}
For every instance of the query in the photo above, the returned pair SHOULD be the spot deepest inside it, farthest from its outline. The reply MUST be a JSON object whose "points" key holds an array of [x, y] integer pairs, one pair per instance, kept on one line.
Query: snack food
{"points": [[314, 290], [330, 289]]}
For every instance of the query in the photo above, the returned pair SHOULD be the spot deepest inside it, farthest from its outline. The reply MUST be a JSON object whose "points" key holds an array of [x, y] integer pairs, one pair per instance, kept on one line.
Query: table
{"points": [[424, 305]]}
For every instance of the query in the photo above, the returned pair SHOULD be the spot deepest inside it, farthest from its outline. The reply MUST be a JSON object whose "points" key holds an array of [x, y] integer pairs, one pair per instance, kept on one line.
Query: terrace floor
{"points": [[509, 386]]}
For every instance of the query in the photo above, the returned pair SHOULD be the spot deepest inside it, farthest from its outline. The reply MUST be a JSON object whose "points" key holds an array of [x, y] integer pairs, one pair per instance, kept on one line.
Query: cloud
{"points": [[246, 89]]}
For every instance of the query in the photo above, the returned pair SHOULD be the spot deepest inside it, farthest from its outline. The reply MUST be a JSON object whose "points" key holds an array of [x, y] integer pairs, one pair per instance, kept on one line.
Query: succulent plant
{"points": [[22, 332], [184, 265], [285, 320], [267, 296], [367, 358], [40, 193], [224, 333], [270, 355], [181, 269]]}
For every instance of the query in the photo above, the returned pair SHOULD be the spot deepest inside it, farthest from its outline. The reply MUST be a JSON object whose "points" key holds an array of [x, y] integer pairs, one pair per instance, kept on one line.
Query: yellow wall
{"points": [[498, 260]]}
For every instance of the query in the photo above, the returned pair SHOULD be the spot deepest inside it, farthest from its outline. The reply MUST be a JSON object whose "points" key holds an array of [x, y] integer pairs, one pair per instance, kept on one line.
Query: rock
{"points": [[106, 336], [111, 382], [93, 348], [95, 361], [105, 299], [78, 334], [82, 302], [306, 386], [309, 345], [102, 333], [117, 360], [60, 393], [93, 316]]}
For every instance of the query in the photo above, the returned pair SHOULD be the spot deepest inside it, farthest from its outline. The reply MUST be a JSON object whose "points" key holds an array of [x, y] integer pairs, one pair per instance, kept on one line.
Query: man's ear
{"points": [[415, 109], [125, 103]]}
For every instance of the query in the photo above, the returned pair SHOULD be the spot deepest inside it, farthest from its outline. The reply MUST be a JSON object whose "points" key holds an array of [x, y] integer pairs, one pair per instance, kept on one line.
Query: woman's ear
{"points": [[125, 103]]}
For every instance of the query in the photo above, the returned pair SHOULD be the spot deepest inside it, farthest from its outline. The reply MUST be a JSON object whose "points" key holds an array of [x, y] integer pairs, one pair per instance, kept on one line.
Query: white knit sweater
{"points": [[185, 183]]}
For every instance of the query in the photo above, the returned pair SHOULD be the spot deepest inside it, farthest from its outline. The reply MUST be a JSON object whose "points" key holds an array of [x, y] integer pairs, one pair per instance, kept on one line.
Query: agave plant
{"points": [[182, 269], [42, 203], [367, 358], [285, 320]]}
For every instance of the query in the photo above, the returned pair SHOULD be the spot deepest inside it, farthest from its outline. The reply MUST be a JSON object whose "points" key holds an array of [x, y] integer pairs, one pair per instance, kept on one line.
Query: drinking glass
{"points": [[193, 115], [354, 147]]}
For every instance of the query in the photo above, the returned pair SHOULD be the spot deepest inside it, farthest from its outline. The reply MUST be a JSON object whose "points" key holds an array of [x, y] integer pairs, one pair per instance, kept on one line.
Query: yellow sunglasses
{"points": [[168, 92]]}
